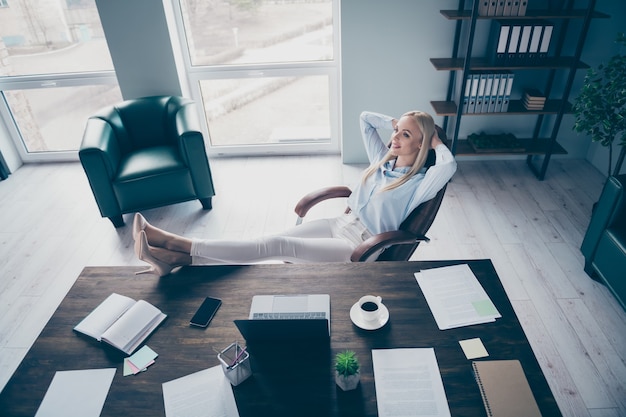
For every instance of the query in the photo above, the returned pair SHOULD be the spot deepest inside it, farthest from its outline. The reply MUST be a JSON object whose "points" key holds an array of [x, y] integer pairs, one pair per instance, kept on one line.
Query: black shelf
{"points": [[516, 107], [530, 14], [457, 64], [560, 69], [531, 146]]}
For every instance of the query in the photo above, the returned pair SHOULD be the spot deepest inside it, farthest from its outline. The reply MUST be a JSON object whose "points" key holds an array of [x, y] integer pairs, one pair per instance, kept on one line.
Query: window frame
{"points": [[330, 68], [26, 82]]}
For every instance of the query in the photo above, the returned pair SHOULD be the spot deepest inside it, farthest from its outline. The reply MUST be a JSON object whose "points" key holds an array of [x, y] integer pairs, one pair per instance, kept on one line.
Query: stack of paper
{"points": [[203, 393], [78, 393], [455, 297], [408, 383], [140, 361]]}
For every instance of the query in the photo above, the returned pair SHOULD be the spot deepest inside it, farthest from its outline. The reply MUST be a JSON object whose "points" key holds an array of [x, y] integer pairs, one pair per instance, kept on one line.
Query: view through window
{"points": [[55, 71], [264, 71]]}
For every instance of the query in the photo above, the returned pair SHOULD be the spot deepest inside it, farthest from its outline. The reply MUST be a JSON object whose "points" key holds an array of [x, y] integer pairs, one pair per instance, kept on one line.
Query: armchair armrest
{"points": [[382, 240], [191, 146], [100, 157], [317, 196], [608, 205], [99, 139]]}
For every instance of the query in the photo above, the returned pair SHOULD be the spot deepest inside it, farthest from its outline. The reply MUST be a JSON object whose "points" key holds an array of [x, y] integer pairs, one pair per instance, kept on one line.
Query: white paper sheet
{"points": [[455, 297], [78, 393], [206, 393], [408, 383]]}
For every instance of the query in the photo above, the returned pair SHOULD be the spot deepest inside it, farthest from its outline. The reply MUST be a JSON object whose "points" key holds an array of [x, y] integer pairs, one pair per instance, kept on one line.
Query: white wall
{"points": [[138, 38], [385, 52]]}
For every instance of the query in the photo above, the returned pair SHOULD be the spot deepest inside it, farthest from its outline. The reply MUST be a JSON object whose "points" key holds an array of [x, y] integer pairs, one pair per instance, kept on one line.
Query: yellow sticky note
{"points": [[473, 348]]}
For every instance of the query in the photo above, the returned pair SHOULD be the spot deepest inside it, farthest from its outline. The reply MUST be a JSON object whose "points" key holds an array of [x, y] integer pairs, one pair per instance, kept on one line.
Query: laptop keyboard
{"points": [[283, 316]]}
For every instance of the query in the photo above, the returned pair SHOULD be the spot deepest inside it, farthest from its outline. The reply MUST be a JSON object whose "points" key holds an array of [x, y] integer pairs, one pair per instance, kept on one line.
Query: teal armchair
{"points": [[604, 244], [145, 153]]}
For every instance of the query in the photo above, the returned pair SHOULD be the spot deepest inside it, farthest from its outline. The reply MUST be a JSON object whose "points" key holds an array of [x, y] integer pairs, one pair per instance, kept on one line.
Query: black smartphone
{"points": [[205, 313]]}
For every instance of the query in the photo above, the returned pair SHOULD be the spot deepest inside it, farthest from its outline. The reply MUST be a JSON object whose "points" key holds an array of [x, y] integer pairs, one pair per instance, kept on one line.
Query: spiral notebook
{"points": [[504, 388]]}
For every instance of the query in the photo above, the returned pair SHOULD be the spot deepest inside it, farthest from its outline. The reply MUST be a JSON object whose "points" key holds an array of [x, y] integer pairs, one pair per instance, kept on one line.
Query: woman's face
{"points": [[406, 139]]}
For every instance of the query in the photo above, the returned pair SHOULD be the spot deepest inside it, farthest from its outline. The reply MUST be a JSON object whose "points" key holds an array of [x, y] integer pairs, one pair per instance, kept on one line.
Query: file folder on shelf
{"points": [[480, 96], [471, 107], [545, 41], [494, 92], [507, 92]]}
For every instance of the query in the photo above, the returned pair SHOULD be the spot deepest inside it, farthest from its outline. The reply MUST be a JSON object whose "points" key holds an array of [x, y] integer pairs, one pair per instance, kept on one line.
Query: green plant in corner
{"points": [[346, 363], [600, 108]]}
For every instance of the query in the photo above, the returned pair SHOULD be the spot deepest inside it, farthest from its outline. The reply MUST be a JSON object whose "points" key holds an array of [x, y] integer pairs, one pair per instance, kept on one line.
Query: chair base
{"points": [[207, 203], [118, 221]]}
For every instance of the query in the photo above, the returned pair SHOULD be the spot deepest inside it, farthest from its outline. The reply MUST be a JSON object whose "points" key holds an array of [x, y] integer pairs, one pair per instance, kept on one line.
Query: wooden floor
{"points": [[50, 229]]}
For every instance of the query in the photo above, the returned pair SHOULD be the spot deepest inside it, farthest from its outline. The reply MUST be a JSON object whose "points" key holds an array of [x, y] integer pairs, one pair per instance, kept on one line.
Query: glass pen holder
{"points": [[235, 362]]}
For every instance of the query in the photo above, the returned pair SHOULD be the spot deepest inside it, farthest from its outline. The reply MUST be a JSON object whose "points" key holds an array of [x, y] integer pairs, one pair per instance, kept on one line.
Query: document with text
{"points": [[206, 393], [455, 297], [408, 383], [77, 393]]}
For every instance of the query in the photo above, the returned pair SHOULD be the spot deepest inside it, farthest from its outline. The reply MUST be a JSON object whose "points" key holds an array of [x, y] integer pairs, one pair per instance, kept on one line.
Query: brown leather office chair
{"points": [[396, 245]]}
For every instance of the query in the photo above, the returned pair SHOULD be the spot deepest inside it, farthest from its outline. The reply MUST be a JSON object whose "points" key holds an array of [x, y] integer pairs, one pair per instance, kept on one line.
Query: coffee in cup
{"points": [[369, 306]]}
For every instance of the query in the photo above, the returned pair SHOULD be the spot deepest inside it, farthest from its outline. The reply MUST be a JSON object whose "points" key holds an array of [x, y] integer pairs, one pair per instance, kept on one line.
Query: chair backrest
{"points": [[144, 122], [419, 220]]}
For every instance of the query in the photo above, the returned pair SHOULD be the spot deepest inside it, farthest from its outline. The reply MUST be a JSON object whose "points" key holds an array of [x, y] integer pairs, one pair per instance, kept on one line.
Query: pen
{"points": [[238, 356]]}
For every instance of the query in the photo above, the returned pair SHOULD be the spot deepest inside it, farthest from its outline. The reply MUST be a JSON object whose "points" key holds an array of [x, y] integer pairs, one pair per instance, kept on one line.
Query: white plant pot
{"points": [[347, 383]]}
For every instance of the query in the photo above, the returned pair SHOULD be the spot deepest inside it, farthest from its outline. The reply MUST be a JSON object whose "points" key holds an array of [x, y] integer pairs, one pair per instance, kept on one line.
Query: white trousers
{"points": [[324, 240]]}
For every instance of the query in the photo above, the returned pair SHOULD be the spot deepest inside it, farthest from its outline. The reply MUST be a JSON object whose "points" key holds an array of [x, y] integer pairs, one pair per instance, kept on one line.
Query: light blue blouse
{"points": [[385, 211]]}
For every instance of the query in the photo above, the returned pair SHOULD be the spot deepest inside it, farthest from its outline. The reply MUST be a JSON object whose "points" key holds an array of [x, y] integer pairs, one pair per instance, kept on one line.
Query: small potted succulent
{"points": [[347, 374]]}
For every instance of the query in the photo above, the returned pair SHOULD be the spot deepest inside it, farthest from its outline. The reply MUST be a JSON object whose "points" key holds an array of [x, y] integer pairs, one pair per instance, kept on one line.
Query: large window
{"points": [[55, 71], [265, 73]]}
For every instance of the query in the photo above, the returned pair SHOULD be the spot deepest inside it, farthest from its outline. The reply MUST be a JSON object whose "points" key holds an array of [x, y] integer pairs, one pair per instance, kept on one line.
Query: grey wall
{"points": [[385, 52], [138, 38], [386, 47]]}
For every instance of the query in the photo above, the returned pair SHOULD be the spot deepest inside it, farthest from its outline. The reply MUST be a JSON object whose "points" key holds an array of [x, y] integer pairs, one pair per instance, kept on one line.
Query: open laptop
{"points": [[287, 317]]}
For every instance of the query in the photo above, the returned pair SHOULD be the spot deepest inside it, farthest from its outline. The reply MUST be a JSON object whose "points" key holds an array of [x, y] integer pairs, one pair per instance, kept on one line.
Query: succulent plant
{"points": [[346, 363]]}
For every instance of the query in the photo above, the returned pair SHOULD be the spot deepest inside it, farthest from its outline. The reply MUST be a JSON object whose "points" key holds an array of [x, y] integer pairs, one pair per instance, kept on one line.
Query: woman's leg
{"points": [[309, 242], [163, 239], [161, 260]]}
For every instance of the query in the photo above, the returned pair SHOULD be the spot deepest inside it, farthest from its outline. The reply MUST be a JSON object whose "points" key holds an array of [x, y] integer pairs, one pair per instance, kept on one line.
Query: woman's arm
{"points": [[437, 175], [375, 147]]}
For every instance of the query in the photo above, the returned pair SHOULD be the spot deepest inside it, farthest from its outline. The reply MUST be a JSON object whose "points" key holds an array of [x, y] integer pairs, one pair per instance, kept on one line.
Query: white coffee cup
{"points": [[370, 307]]}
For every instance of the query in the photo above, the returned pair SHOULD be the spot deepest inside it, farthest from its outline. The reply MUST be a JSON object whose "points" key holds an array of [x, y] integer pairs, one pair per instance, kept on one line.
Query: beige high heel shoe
{"points": [[139, 224], [143, 253]]}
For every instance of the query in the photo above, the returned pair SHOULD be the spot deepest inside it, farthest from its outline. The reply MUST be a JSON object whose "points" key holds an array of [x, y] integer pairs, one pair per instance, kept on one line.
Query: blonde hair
{"points": [[426, 125]]}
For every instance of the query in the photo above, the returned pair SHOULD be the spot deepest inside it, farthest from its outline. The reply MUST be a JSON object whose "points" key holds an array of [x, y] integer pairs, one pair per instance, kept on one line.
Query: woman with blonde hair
{"points": [[396, 182]]}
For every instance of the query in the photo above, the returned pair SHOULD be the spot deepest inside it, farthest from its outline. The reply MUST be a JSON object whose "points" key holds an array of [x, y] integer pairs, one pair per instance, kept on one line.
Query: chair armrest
{"points": [[192, 149], [186, 118], [609, 204], [317, 196], [99, 137], [380, 241], [100, 157]]}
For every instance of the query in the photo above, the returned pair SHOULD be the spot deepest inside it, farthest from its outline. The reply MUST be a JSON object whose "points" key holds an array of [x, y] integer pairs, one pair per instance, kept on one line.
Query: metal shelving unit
{"points": [[462, 62]]}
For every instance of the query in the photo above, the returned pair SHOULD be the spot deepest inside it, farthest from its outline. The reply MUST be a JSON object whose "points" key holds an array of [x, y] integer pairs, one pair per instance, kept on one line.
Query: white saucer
{"points": [[355, 316]]}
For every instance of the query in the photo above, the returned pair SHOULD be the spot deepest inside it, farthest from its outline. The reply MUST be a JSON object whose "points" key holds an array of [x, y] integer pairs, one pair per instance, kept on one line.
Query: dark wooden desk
{"points": [[303, 383]]}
